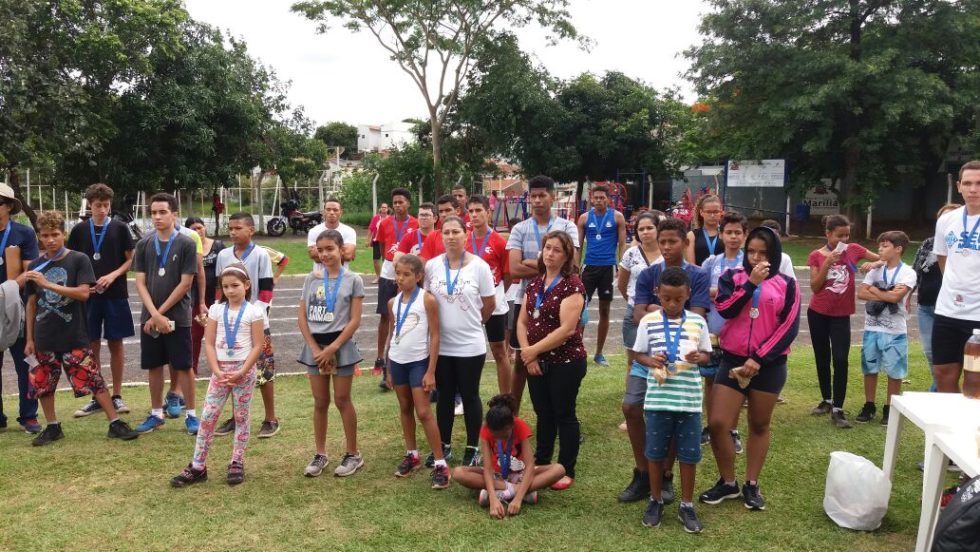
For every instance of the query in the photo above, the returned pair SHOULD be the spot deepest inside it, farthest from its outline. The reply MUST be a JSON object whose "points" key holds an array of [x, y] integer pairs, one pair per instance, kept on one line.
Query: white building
{"points": [[375, 138]]}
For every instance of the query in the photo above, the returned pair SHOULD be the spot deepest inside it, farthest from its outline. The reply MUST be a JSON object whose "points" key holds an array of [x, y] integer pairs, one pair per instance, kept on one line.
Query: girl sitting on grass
{"points": [[233, 340], [508, 473]]}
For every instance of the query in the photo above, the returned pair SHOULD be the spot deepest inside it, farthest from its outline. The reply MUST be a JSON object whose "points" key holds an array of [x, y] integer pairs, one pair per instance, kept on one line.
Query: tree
{"points": [[434, 42], [337, 134], [863, 91]]}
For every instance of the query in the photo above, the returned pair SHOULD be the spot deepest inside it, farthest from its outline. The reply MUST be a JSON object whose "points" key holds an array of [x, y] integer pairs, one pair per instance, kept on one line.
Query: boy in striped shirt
{"points": [[672, 342]]}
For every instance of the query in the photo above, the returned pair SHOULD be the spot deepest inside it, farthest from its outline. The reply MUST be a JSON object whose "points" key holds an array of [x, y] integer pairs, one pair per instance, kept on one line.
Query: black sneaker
{"points": [[705, 436], [121, 430], [753, 498], [867, 413], [236, 473], [720, 492], [447, 453], [825, 407], [88, 409], [667, 490], [440, 477], [737, 441], [471, 457], [839, 419], [689, 519], [653, 513], [884, 414], [189, 476], [226, 428], [51, 433], [638, 489]]}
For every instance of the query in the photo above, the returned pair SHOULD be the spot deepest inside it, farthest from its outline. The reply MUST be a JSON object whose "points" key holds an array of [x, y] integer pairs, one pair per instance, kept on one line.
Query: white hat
{"points": [[6, 192]]}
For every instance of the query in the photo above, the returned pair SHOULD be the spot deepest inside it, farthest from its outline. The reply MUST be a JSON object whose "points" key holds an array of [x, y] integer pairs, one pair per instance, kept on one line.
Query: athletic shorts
{"points": [[664, 426], [172, 349], [629, 328], [376, 250], [408, 374], [711, 370], [496, 326], [387, 290], [342, 371], [885, 351], [770, 379], [598, 278], [515, 313], [114, 315], [266, 365], [636, 390], [83, 374], [949, 337], [510, 314]]}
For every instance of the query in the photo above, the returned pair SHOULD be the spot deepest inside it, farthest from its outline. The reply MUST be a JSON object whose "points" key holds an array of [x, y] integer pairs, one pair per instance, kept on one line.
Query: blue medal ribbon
{"points": [[483, 246], [247, 252], [97, 240], [502, 453], [48, 260], [420, 237], [884, 271], [537, 233], [966, 237], [6, 236], [598, 225], [330, 297], [544, 291], [399, 319], [231, 332], [162, 260], [711, 243], [399, 231], [755, 298], [451, 285], [672, 346]]}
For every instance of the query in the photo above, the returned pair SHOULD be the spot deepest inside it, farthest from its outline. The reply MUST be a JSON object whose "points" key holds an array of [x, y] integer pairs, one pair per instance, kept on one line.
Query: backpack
{"points": [[958, 527]]}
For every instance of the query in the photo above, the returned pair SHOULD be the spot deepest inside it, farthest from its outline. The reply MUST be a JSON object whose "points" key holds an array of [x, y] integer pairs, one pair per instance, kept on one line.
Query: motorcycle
{"points": [[291, 215]]}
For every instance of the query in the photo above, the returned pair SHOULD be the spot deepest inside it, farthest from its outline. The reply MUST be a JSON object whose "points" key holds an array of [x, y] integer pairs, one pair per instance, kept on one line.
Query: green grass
{"points": [[299, 260], [91, 493], [799, 248]]}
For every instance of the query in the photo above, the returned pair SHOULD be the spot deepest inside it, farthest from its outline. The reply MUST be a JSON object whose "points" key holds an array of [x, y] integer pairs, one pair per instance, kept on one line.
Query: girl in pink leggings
{"points": [[233, 340]]}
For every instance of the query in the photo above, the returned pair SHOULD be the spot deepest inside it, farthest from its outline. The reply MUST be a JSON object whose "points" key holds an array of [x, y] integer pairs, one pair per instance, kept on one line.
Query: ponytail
{"points": [[500, 413]]}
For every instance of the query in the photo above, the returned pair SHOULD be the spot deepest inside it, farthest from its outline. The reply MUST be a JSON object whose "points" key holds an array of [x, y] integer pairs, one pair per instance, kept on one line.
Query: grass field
{"points": [[86, 492]]}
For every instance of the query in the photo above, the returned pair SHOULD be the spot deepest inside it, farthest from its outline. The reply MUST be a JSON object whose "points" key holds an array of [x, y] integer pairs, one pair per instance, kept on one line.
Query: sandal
{"points": [[236, 473]]}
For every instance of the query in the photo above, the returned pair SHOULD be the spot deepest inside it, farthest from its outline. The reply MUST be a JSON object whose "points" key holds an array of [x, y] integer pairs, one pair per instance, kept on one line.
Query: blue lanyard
{"points": [[247, 252], [451, 286], [672, 346], [483, 246], [97, 240], [162, 261], [537, 233], [501, 454], [711, 243], [544, 291], [884, 271], [399, 232], [6, 236], [330, 297], [231, 332], [48, 260], [966, 237], [420, 237], [755, 297], [598, 225], [399, 319]]}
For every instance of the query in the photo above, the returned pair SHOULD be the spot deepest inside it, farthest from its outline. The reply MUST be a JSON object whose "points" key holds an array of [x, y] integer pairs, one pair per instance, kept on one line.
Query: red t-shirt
{"points": [[412, 243], [495, 254], [433, 246], [836, 298], [389, 238], [518, 435]]}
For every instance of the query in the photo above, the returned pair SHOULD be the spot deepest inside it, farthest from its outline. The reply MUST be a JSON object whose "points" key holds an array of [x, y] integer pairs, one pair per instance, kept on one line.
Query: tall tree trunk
{"points": [[436, 154], [851, 143]]}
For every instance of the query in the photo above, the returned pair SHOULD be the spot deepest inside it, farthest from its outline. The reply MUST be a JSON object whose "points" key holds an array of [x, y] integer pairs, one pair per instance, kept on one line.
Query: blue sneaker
{"points": [[600, 359], [172, 409], [149, 424], [31, 426], [192, 424]]}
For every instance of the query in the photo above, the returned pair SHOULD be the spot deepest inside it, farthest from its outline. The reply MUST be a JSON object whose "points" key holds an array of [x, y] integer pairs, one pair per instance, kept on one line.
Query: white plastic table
{"points": [[960, 446], [930, 412]]}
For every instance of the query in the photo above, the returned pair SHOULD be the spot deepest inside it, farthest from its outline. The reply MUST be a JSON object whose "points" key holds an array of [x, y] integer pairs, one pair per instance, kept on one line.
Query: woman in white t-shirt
{"points": [[463, 286]]}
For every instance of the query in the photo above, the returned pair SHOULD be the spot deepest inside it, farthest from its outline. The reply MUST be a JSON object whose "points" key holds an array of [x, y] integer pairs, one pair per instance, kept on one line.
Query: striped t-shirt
{"points": [[681, 391]]}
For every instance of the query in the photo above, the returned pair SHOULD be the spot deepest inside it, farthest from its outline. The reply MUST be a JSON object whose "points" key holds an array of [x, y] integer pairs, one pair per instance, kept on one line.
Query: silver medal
{"points": [[598, 237], [965, 252], [328, 317], [162, 271], [753, 313], [97, 256], [536, 314], [672, 368], [1, 260]]}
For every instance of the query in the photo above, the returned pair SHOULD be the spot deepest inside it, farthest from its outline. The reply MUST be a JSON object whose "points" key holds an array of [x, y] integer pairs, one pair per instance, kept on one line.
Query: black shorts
{"points": [[172, 349], [515, 312], [770, 379], [387, 290], [496, 327], [376, 250], [949, 337], [598, 278]]}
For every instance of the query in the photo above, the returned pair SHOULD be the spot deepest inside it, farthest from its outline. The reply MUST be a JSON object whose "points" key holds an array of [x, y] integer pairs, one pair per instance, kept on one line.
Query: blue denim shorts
{"points": [[663, 426], [408, 374], [885, 351], [629, 328]]}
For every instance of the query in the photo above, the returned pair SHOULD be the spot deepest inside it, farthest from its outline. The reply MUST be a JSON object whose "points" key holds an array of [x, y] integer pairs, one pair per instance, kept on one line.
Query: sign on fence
{"points": [[765, 173]]}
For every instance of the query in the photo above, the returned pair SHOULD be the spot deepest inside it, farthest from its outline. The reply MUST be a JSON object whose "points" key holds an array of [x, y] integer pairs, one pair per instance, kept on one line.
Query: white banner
{"points": [[767, 173]]}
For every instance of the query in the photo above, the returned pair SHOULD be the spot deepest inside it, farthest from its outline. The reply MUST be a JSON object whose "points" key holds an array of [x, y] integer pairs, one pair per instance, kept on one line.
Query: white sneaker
{"points": [[349, 464], [91, 408], [315, 467]]}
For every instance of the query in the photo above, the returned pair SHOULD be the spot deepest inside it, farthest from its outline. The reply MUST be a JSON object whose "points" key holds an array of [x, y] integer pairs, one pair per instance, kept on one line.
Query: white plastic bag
{"points": [[857, 492]]}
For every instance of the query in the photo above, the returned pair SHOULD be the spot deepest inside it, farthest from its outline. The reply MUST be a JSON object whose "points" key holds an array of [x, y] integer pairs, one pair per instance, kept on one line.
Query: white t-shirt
{"points": [[257, 264], [460, 319], [886, 322], [243, 339], [346, 232], [959, 296], [412, 342], [634, 263], [786, 267]]}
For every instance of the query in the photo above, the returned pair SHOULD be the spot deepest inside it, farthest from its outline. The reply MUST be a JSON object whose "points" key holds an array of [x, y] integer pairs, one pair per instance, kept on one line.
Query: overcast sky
{"points": [[343, 76]]}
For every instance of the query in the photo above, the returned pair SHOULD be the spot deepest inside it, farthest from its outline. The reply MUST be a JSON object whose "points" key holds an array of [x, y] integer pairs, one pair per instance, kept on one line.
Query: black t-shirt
{"points": [[60, 323], [209, 276], [930, 279], [112, 254], [181, 260], [701, 251]]}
